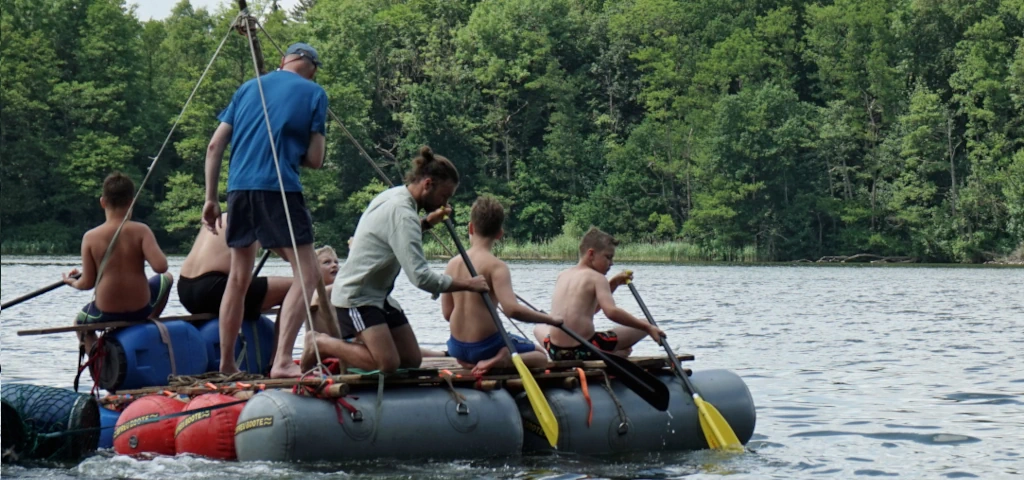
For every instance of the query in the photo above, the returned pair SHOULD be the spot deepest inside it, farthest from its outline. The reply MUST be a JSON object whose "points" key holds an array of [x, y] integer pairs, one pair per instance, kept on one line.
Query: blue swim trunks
{"points": [[159, 287], [473, 352]]}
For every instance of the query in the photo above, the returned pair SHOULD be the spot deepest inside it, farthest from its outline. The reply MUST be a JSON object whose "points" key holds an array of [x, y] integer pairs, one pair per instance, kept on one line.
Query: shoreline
{"points": [[620, 259], [565, 248]]}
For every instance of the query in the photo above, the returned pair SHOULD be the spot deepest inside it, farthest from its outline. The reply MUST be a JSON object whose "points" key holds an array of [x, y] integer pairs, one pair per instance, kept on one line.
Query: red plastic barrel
{"points": [[210, 433], [137, 433]]}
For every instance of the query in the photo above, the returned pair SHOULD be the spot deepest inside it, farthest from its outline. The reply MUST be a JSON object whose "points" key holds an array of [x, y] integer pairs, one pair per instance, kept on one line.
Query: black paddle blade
{"points": [[647, 386], [640, 381]]}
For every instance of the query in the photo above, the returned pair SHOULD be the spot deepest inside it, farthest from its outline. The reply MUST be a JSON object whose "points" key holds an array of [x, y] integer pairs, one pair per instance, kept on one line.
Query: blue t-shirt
{"points": [[297, 108]]}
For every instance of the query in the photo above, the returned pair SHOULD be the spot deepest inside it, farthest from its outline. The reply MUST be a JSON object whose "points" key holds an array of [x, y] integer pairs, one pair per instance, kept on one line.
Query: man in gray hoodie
{"points": [[388, 239]]}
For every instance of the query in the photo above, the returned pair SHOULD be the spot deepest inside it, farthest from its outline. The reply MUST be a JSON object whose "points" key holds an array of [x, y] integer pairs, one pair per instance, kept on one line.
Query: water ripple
{"points": [[863, 371]]}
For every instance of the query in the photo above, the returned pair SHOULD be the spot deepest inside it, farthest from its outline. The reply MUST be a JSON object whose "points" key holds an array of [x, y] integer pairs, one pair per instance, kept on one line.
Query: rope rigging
{"points": [[246, 24], [250, 34]]}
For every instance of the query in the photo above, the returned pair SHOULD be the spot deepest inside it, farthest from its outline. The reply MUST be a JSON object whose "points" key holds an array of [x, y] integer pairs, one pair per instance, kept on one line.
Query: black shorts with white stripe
{"points": [[356, 319]]}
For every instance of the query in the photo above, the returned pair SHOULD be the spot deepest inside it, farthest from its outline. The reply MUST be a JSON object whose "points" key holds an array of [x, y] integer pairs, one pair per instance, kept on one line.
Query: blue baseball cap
{"points": [[305, 51]]}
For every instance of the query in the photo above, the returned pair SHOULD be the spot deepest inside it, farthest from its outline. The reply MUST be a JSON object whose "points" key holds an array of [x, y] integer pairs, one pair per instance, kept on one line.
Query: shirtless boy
{"points": [[475, 341], [204, 276], [583, 290], [124, 294]]}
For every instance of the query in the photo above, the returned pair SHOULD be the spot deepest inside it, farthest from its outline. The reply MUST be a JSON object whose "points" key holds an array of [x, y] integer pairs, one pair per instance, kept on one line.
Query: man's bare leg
{"points": [[293, 309], [409, 353], [309, 349], [233, 303], [377, 352]]}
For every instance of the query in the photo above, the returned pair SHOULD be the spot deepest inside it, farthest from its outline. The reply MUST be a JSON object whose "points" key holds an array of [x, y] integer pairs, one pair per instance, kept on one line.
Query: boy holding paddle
{"points": [[475, 341], [126, 295], [583, 290]]}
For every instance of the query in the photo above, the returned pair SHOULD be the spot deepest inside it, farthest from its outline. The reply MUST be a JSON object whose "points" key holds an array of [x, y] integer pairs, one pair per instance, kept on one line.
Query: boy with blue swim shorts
{"points": [[122, 290], [475, 341]]}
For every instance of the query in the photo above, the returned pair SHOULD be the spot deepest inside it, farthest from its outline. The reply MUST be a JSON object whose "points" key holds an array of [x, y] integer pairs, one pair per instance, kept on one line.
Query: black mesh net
{"points": [[48, 423]]}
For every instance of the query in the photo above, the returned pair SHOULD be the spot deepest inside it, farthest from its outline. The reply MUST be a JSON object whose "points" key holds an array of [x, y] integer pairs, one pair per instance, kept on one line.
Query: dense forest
{"points": [[793, 128]]}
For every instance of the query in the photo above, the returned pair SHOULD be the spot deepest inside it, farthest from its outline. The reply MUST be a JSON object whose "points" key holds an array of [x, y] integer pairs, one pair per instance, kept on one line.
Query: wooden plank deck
{"points": [[432, 372]]}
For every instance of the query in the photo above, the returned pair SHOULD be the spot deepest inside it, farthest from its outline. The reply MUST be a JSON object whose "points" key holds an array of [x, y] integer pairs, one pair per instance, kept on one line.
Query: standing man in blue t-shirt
{"points": [[297, 111]]}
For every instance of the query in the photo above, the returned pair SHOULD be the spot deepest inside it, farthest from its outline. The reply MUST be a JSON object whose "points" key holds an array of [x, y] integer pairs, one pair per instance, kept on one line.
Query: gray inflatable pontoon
{"points": [[427, 422], [414, 422], [637, 427]]}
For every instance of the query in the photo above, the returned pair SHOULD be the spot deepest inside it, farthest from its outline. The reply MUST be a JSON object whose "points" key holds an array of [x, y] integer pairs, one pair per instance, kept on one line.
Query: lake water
{"points": [[914, 372]]}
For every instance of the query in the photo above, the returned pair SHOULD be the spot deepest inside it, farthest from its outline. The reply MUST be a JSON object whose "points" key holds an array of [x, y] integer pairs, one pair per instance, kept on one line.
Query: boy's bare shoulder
{"points": [[492, 264], [97, 235], [577, 272], [137, 226], [453, 263], [91, 233]]}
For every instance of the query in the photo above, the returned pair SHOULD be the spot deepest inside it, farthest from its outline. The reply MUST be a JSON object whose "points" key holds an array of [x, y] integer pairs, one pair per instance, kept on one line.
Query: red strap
{"points": [[348, 406], [586, 395], [94, 361], [337, 410]]}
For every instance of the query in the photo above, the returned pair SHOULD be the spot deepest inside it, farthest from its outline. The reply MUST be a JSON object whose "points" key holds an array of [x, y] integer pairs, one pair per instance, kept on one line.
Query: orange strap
{"points": [[586, 395]]}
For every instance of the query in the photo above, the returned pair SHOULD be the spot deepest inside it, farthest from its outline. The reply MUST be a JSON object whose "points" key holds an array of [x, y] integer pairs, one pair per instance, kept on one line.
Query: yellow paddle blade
{"points": [[717, 431], [541, 409]]}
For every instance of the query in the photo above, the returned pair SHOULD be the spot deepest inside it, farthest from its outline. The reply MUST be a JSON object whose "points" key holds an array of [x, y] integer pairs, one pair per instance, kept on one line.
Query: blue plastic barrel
{"points": [[253, 349], [136, 357], [108, 419]]}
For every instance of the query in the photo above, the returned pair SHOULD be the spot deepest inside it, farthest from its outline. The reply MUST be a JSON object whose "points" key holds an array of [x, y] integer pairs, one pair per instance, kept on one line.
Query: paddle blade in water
{"points": [[717, 431], [538, 402]]}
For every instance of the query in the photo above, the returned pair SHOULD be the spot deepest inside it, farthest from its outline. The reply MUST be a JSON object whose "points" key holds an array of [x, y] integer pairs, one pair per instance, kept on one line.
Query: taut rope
{"points": [[149, 171], [284, 198]]}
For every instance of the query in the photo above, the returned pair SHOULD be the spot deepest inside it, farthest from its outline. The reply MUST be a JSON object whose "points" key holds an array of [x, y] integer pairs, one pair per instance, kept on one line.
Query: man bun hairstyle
{"points": [[118, 190], [598, 240], [428, 164], [487, 216]]}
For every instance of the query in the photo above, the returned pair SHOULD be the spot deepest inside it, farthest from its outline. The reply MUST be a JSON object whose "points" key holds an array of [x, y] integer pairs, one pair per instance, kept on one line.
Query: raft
{"points": [[430, 422], [438, 411], [446, 422]]}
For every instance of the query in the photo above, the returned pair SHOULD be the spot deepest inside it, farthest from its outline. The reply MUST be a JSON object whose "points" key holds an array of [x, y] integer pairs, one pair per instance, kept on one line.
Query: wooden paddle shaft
{"points": [[29, 296], [199, 317], [664, 342]]}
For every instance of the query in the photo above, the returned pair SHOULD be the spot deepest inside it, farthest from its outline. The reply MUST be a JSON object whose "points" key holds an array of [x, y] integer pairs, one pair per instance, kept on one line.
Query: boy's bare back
{"points": [[124, 286], [470, 319], [575, 300]]}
